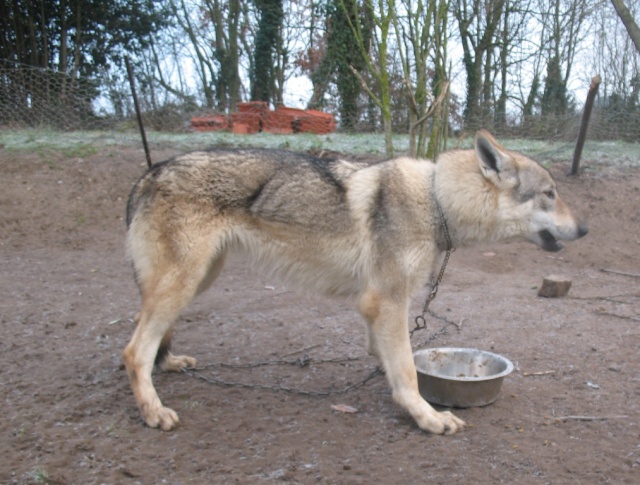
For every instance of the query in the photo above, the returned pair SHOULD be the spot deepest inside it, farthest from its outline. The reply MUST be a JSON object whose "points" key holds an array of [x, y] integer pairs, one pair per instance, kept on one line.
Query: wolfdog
{"points": [[373, 231]]}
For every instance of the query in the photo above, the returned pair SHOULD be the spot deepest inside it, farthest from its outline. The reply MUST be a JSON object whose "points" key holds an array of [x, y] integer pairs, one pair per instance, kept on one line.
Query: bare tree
{"points": [[615, 58], [420, 29], [562, 23], [478, 22], [514, 50], [376, 56], [298, 37], [185, 16]]}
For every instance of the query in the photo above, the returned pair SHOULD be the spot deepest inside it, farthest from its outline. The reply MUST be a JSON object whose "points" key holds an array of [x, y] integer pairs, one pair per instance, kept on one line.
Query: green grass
{"points": [[79, 150], [39, 475]]}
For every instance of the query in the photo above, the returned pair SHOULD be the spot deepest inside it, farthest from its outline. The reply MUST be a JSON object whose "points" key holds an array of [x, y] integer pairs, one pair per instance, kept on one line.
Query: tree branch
{"points": [[628, 21]]}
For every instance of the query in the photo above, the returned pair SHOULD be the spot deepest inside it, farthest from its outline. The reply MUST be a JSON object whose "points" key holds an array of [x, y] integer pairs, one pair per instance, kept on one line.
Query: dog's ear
{"points": [[495, 162]]}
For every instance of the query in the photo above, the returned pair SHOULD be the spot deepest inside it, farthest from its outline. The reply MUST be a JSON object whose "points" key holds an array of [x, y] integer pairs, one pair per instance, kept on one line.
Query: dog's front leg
{"points": [[389, 340]]}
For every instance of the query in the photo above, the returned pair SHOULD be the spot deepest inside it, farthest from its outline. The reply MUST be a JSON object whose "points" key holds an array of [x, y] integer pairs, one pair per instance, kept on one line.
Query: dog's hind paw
{"points": [[164, 418], [175, 363]]}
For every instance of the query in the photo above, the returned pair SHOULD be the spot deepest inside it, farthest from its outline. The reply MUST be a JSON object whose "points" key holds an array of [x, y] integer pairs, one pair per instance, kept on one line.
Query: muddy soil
{"points": [[569, 413]]}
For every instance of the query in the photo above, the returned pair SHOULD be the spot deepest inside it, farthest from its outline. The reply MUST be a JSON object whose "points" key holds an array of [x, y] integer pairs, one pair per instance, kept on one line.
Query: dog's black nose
{"points": [[582, 230]]}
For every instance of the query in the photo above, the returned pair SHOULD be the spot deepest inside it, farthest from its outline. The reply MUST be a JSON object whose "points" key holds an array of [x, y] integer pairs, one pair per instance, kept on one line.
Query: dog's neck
{"points": [[468, 203]]}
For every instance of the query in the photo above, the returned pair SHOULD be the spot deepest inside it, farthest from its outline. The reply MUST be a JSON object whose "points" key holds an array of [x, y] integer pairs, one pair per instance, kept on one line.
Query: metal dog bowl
{"points": [[460, 378]]}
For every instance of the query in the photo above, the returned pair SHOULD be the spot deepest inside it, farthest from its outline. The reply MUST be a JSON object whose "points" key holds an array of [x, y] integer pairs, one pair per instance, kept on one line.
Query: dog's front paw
{"points": [[162, 417], [441, 423]]}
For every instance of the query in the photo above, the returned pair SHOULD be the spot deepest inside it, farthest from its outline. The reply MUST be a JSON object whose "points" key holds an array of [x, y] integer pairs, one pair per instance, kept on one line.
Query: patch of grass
{"points": [[80, 150], [193, 404], [112, 431], [317, 145], [39, 475], [52, 165]]}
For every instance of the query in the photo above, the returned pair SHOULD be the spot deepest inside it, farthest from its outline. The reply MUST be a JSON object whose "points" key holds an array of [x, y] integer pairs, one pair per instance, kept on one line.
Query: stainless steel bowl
{"points": [[460, 378]]}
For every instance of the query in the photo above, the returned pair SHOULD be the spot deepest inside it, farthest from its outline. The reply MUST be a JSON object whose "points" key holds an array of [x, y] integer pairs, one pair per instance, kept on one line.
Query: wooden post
{"points": [[586, 114], [132, 83]]}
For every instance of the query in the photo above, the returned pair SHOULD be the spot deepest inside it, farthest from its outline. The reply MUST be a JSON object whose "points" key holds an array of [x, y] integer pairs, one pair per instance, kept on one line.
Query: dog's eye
{"points": [[551, 194]]}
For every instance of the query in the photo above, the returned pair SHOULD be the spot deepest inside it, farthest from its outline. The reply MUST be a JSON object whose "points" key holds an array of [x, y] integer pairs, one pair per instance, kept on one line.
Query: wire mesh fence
{"points": [[33, 97]]}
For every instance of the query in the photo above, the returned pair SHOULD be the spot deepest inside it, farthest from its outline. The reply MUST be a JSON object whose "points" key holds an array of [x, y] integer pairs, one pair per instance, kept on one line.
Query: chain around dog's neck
{"points": [[443, 220], [420, 320]]}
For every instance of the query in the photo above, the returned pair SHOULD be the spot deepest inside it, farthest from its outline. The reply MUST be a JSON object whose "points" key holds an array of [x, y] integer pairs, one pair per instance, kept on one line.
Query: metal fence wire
{"points": [[32, 97]]}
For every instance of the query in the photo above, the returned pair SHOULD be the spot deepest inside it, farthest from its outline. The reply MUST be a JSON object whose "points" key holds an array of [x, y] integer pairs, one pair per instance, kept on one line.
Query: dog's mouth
{"points": [[549, 241]]}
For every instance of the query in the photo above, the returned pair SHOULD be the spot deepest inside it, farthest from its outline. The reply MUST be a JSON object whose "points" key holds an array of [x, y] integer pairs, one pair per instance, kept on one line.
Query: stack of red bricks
{"points": [[213, 122], [247, 119], [281, 120], [255, 116], [316, 122]]}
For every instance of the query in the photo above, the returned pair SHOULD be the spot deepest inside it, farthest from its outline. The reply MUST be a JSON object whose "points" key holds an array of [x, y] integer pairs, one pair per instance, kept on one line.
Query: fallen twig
{"points": [[544, 373], [635, 319], [622, 273], [301, 350], [588, 418], [607, 298]]}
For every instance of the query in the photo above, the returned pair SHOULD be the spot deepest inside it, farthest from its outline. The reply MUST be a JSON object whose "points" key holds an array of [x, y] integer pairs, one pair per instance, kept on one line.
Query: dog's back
{"points": [[273, 185]]}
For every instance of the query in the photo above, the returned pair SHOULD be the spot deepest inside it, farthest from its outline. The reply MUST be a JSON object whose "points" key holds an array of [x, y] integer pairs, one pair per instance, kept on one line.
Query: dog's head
{"points": [[527, 193]]}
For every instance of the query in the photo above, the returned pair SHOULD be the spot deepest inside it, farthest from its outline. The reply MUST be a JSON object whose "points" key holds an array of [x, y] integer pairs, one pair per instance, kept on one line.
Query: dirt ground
{"points": [[569, 413]]}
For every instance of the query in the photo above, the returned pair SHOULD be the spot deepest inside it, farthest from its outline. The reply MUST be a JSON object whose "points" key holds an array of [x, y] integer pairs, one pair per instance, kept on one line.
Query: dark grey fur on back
{"points": [[255, 180]]}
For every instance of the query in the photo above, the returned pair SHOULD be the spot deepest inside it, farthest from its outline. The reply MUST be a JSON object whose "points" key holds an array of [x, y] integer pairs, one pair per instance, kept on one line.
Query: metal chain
{"points": [[420, 320], [301, 362]]}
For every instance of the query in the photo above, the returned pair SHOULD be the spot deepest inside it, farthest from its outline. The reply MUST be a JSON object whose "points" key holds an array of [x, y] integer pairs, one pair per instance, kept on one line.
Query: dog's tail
{"points": [[132, 204], [142, 190]]}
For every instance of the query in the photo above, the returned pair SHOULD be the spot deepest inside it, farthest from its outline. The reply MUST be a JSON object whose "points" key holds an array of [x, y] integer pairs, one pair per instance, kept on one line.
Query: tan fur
{"points": [[371, 231]]}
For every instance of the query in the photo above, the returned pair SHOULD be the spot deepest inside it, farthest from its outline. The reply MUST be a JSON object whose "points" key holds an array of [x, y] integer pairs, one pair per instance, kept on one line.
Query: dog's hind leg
{"points": [[167, 286], [160, 308], [169, 362], [389, 340]]}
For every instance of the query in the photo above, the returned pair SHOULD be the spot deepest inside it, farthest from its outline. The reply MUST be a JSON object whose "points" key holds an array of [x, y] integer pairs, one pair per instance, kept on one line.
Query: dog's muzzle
{"points": [[553, 244], [549, 242]]}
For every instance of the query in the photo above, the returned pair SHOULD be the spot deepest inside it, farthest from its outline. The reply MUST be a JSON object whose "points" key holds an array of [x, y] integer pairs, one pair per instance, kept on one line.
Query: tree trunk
{"points": [[64, 48], [234, 75], [263, 78]]}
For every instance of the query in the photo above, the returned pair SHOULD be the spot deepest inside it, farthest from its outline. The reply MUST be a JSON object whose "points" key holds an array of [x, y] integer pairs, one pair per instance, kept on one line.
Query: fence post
{"points": [[586, 114], [132, 83]]}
